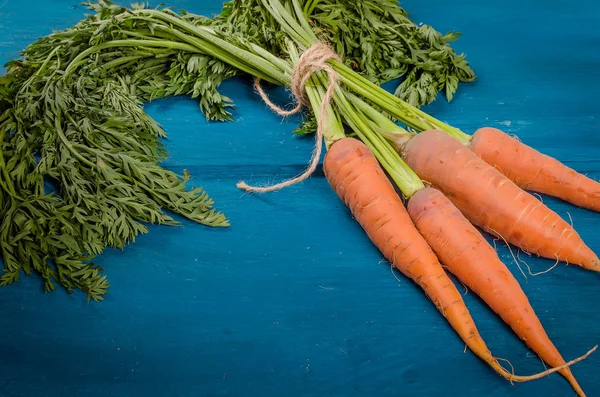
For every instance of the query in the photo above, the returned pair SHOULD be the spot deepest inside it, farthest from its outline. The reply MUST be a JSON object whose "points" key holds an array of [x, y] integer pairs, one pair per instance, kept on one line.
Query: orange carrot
{"points": [[466, 254], [522, 164], [355, 175], [492, 201], [533, 170]]}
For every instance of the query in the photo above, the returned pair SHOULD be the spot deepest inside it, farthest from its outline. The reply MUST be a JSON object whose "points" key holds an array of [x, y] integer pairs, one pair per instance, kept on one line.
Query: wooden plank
{"points": [[293, 298]]}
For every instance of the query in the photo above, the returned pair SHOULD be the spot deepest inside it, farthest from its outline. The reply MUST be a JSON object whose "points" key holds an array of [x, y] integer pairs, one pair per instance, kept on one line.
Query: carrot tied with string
{"points": [[357, 178], [459, 246]]}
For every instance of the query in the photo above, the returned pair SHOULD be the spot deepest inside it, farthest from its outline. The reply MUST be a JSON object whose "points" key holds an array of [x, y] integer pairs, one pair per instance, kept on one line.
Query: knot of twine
{"points": [[312, 60]]}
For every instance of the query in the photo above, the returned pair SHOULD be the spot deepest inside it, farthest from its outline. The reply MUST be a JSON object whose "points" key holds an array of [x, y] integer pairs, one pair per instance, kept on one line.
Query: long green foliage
{"points": [[375, 37], [80, 159]]}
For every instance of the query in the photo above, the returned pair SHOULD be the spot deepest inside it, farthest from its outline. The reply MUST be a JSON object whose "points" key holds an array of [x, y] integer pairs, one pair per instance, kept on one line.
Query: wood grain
{"points": [[293, 298]]}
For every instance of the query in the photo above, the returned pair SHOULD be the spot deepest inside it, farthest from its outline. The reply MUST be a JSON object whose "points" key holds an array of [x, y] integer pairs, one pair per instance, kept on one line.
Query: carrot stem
{"points": [[294, 23], [401, 110], [405, 178], [386, 127], [335, 128]]}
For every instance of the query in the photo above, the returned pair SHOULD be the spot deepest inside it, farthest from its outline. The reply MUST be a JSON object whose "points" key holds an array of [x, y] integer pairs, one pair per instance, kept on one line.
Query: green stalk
{"points": [[147, 33], [376, 116], [68, 143], [220, 48], [298, 28], [241, 60], [39, 71], [7, 184], [300, 17], [80, 59], [284, 66], [398, 108], [387, 128], [289, 23], [237, 57], [404, 177], [115, 63], [310, 6], [334, 129]]}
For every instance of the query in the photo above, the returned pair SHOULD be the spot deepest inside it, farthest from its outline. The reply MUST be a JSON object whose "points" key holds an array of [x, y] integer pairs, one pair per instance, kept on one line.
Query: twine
{"points": [[312, 60]]}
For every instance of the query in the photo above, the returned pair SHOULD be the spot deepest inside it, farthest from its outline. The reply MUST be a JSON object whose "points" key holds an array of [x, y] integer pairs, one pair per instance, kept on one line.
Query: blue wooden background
{"points": [[293, 298]]}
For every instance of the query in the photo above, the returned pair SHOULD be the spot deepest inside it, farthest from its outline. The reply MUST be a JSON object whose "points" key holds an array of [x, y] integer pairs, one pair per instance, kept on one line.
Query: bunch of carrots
{"points": [[451, 183]]}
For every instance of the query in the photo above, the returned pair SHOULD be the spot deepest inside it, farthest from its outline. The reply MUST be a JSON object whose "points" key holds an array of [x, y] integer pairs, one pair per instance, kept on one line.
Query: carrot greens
{"points": [[375, 37], [80, 162], [80, 159]]}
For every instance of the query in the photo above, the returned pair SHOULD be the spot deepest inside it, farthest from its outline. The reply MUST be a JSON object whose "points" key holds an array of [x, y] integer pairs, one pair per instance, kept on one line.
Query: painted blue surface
{"points": [[293, 299]]}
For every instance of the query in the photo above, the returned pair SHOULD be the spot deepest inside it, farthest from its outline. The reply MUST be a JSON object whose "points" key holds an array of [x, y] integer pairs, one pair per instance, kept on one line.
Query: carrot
{"points": [[492, 201], [533, 170], [522, 164], [467, 255], [354, 173], [357, 178]]}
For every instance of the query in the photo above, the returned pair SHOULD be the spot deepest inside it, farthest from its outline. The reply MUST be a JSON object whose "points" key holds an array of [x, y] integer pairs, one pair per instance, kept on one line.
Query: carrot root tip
{"points": [[517, 378]]}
